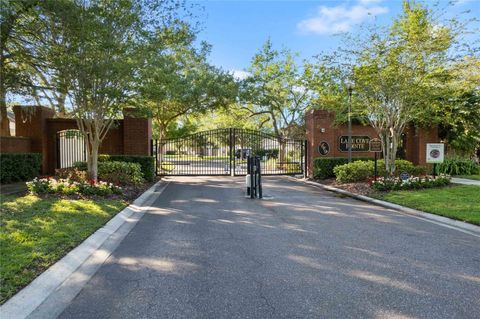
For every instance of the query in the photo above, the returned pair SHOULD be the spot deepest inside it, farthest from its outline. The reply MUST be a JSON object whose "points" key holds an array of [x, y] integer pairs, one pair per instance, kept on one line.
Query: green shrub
{"points": [[459, 166], [147, 163], [361, 170], [19, 166], [400, 167], [323, 166], [353, 172], [120, 173], [81, 166]]}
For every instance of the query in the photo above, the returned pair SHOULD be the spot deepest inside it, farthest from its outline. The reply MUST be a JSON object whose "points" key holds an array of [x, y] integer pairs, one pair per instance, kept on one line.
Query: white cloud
{"points": [[240, 74], [461, 2], [341, 18], [367, 2]]}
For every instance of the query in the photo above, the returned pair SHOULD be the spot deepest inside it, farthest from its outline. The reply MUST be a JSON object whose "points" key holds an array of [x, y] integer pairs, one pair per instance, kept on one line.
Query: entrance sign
{"points": [[435, 152], [323, 148], [375, 145], [359, 143]]}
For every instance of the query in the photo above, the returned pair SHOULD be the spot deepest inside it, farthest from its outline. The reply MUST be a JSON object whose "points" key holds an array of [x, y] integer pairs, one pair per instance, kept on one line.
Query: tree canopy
{"points": [[176, 80], [277, 89], [401, 74]]}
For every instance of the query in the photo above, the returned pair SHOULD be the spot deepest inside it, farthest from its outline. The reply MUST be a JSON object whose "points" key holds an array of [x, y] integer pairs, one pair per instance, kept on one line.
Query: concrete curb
{"points": [[465, 181], [27, 300], [444, 221]]}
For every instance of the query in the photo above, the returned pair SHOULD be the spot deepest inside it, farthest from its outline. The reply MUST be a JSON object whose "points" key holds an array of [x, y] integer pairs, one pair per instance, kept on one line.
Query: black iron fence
{"points": [[225, 152]]}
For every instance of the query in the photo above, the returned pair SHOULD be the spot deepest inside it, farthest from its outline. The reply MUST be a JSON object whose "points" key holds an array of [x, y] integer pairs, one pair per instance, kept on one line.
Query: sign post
{"points": [[435, 155], [375, 146]]}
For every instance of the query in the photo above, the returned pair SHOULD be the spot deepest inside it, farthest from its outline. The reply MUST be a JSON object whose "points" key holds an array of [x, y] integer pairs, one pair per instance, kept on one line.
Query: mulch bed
{"points": [[130, 193], [360, 188]]}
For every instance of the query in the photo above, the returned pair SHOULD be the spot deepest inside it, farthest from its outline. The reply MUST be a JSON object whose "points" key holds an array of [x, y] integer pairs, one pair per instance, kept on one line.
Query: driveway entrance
{"points": [[206, 251], [225, 151]]}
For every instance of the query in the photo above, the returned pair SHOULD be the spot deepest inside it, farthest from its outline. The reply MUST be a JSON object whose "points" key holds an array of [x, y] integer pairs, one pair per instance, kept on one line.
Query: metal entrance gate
{"points": [[225, 151]]}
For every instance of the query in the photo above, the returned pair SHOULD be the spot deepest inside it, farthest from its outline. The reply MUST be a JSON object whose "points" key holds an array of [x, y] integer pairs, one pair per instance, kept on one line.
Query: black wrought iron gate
{"points": [[224, 152]]}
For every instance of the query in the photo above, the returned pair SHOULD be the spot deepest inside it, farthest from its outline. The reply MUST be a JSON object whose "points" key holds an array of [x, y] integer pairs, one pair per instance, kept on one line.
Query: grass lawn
{"points": [[475, 177], [457, 202], [36, 232]]}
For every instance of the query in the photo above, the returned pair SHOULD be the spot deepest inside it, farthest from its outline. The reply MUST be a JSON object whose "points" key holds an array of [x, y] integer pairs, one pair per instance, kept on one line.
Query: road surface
{"points": [[206, 251]]}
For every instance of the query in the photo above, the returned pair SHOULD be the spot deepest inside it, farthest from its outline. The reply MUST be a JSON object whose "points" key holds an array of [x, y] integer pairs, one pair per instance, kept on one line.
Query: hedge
{"points": [[120, 173], [147, 163], [361, 170], [400, 167], [16, 167], [353, 172], [323, 166]]}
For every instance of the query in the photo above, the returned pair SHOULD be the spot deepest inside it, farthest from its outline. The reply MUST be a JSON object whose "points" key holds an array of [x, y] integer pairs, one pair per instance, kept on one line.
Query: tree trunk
{"points": [[161, 136], [61, 104], [92, 161], [281, 143], [393, 152], [282, 157], [4, 121], [390, 144]]}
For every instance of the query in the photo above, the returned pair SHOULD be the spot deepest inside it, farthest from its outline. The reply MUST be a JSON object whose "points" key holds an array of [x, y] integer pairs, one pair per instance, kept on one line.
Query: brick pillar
{"points": [[425, 135], [137, 133], [31, 122], [320, 128], [417, 139], [411, 144]]}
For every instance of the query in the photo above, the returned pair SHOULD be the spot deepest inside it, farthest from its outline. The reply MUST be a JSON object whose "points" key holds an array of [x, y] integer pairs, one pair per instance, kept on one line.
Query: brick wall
{"points": [[321, 128], [137, 133], [15, 144], [129, 136], [112, 144]]}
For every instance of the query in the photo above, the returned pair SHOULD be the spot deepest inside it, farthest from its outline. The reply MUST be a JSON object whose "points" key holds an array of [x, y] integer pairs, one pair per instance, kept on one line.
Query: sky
{"points": [[237, 29]]}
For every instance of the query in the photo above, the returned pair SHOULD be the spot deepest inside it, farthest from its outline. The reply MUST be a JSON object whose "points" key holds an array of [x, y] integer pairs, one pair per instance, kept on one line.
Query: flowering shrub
{"points": [[69, 187], [389, 184], [71, 173], [119, 173]]}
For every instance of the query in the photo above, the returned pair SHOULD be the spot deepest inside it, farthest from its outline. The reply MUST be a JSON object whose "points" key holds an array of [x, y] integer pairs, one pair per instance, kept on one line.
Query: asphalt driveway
{"points": [[206, 251]]}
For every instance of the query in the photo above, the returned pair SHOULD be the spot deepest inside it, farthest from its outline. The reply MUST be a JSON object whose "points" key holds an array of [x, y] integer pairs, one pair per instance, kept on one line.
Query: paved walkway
{"points": [[14, 188], [205, 251], [465, 181]]}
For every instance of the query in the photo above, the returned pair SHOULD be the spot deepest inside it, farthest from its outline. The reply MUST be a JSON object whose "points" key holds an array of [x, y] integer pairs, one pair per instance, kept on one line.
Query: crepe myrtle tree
{"points": [[398, 73], [99, 62], [401, 72]]}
